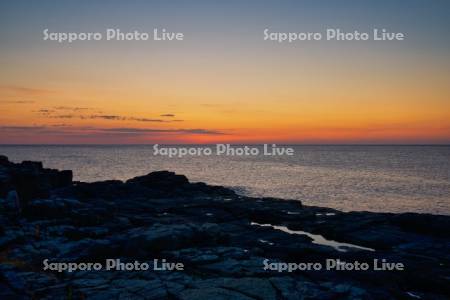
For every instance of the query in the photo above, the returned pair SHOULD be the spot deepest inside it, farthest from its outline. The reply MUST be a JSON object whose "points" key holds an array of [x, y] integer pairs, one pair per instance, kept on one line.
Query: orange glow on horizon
{"points": [[198, 101]]}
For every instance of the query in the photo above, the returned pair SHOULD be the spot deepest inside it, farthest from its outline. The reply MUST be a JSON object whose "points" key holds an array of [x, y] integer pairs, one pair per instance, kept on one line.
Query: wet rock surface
{"points": [[221, 238]]}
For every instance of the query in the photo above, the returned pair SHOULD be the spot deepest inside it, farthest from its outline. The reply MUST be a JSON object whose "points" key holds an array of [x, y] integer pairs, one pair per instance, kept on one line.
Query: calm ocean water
{"points": [[373, 178]]}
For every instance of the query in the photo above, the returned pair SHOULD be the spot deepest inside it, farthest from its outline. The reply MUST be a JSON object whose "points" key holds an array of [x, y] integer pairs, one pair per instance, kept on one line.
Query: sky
{"points": [[223, 83]]}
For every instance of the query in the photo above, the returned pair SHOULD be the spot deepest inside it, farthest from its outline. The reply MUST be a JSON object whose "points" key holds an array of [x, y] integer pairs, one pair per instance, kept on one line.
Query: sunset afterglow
{"points": [[223, 83]]}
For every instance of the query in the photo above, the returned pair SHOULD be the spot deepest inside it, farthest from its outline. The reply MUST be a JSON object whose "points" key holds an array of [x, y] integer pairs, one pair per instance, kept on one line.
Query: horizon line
{"points": [[250, 144]]}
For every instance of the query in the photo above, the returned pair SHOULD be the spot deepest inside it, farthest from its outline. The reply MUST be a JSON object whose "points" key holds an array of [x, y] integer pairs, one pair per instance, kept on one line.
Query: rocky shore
{"points": [[230, 246]]}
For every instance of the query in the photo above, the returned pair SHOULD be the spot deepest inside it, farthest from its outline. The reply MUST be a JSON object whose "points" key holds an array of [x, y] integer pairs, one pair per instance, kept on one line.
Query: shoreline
{"points": [[377, 179], [221, 238]]}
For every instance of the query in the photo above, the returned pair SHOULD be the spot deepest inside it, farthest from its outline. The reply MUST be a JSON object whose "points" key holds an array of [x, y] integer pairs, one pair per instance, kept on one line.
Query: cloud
{"points": [[158, 130], [62, 108], [122, 118], [145, 119], [45, 111], [16, 101], [63, 117], [67, 130], [26, 90], [61, 125], [204, 131], [69, 112], [104, 117], [33, 127], [71, 108], [33, 130]]}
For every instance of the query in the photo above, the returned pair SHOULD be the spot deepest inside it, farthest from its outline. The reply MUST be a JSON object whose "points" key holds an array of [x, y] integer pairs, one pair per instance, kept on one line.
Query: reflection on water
{"points": [[317, 238], [374, 178]]}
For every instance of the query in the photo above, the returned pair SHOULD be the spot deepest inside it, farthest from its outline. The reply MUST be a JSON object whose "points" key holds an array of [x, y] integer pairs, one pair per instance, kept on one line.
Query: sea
{"points": [[379, 178]]}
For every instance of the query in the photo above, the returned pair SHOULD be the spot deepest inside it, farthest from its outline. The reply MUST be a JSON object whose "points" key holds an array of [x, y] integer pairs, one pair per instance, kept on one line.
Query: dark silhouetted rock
{"points": [[160, 180], [31, 180], [221, 238], [4, 160]]}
